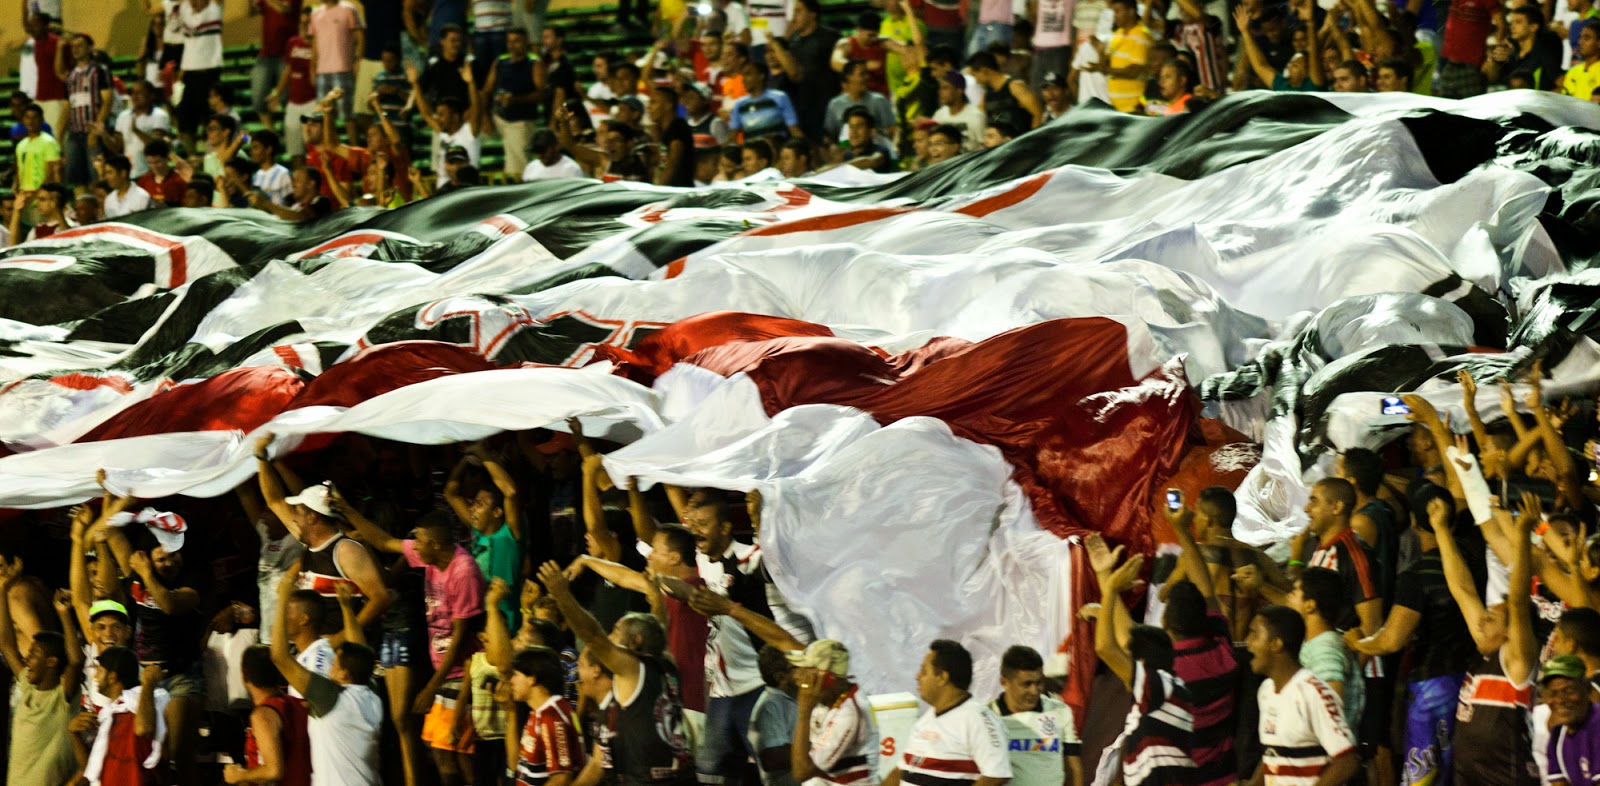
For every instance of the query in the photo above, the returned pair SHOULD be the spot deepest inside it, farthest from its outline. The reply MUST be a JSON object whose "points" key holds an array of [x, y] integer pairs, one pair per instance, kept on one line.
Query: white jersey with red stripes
{"points": [[844, 743], [1302, 729], [956, 747]]}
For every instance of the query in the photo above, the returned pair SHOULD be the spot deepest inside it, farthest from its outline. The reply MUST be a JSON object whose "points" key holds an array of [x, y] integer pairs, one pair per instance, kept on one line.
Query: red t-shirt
{"points": [[296, 745], [549, 744], [1466, 31], [941, 13], [51, 88], [877, 80], [687, 631], [302, 85], [276, 28], [702, 64], [346, 168], [125, 754], [169, 190]]}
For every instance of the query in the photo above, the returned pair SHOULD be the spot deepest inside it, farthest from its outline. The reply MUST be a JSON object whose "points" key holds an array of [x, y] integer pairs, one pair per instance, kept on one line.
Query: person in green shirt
{"points": [[38, 153], [495, 517]]}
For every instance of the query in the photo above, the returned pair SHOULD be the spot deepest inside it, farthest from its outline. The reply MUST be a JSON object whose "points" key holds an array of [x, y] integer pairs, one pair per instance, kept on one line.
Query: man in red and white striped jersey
{"points": [[835, 740], [550, 753], [1304, 736], [958, 741]]}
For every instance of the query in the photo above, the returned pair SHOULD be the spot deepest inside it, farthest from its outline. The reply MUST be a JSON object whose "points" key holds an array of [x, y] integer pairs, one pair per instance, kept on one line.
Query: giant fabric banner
{"points": [[937, 381]]}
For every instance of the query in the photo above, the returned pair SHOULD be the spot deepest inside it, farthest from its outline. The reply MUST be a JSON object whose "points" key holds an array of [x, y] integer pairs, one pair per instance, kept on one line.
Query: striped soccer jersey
{"points": [[844, 743], [1302, 729], [956, 747], [549, 744]]}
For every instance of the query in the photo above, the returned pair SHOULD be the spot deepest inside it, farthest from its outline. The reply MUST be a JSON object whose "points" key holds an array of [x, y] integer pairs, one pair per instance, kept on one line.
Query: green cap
{"points": [[1568, 666], [107, 607]]}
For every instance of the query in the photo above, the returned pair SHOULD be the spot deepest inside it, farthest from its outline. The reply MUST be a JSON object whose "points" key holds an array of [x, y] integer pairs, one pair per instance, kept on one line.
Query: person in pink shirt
{"points": [[338, 34], [453, 591]]}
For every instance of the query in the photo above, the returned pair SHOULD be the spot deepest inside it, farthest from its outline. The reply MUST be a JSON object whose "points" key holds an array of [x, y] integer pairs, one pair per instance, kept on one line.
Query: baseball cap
{"points": [[1568, 666], [1053, 79], [457, 153], [317, 498], [955, 79], [702, 88], [632, 102], [825, 654], [107, 607], [311, 117]]}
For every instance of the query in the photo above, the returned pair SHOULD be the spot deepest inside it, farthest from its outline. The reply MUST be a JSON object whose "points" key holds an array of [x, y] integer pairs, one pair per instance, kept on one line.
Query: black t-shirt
{"points": [[1543, 60], [514, 77], [558, 73], [1443, 643], [442, 79], [631, 167], [678, 131], [819, 83], [885, 161]]}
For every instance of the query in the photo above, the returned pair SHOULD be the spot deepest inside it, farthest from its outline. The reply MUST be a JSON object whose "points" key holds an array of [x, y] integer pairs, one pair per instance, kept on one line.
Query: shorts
{"points": [[345, 80], [1374, 729], [1430, 722], [440, 719], [400, 648], [185, 684]]}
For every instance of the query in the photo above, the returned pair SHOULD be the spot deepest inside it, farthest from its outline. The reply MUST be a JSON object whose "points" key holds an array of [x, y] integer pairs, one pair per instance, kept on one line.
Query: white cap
{"points": [[317, 498]]}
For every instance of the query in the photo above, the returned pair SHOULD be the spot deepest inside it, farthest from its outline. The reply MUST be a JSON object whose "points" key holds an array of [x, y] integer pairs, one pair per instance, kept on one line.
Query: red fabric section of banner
{"points": [[241, 399]]}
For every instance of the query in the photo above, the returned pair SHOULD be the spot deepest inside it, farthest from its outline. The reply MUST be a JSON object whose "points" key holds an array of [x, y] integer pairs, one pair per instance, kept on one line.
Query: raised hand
{"points": [[497, 592], [553, 579]]}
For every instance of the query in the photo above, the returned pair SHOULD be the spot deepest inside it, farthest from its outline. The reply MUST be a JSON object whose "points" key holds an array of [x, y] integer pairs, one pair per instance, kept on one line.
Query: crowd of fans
{"points": [[508, 613], [730, 90]]}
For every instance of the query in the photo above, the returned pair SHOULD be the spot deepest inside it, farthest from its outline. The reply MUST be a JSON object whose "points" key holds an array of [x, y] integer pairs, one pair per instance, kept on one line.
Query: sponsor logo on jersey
{"points": [[1035, 745]]}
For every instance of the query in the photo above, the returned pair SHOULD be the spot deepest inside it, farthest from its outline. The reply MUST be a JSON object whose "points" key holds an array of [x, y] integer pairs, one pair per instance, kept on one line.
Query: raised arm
{"points": [[453, 495], [1456, 573], [366, 531], [711, 604], [1194, 565], [10, 573], [351, 630], [605, 542], [614, 572], [507, 485], [78, 567], [1252, 53], [273, 490], [295, 674], [424, 106], [624, 665], [1108, 640], [1313, 50], [363, 571], [1522, 648], [496, 629], [72, 670]]}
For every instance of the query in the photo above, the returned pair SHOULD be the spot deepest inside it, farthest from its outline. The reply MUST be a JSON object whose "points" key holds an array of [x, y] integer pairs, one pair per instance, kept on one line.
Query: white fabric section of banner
{"points": [[865, 525]]}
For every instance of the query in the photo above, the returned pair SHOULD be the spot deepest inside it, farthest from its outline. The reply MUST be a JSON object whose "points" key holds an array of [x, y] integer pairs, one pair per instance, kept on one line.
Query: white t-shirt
{"points": [[202, 36], [172, 33], [132, 145], [731, 668], [135, 200], [1307, 718], [971, 120], [844, 743], [965, 743], [220, 664], [28, 70], [343, 722], [768, 17], [1039, 741], [536, 170], [463, 137], [317, 658], [274, 561]]}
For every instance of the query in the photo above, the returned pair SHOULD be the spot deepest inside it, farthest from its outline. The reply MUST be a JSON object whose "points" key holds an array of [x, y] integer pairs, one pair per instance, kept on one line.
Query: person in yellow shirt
{"points": [[1584, 75], [1126, 59]]}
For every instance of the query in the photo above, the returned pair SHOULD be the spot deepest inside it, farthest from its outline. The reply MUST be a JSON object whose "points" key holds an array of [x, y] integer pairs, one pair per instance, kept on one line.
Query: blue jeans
{"points": [[488, 47], [726, 742], [76, 153], [264, 76], [989, 33]]}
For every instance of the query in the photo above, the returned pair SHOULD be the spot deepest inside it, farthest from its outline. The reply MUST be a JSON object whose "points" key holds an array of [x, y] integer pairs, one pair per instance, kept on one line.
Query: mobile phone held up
{"points": [[1174, 499], [1392, 405]]}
